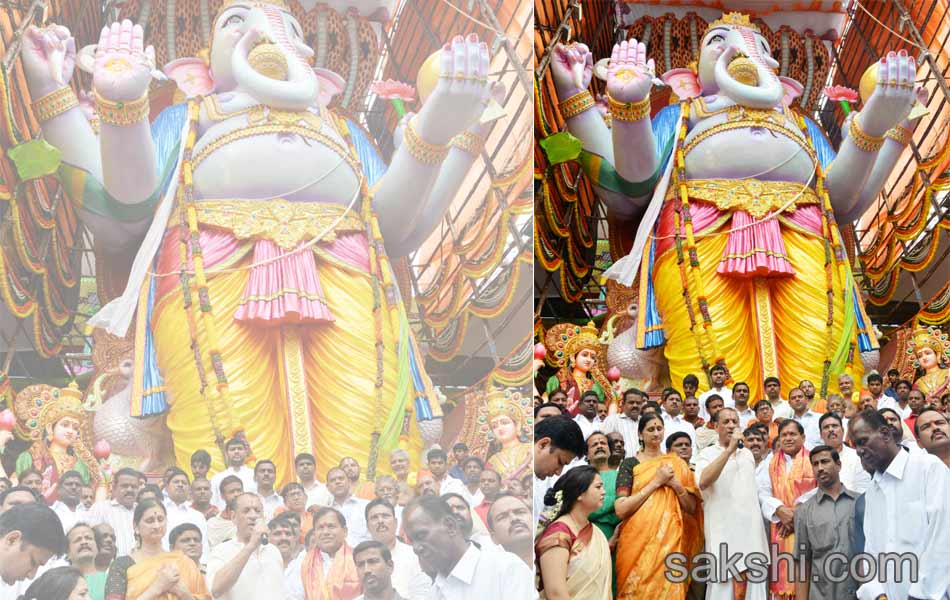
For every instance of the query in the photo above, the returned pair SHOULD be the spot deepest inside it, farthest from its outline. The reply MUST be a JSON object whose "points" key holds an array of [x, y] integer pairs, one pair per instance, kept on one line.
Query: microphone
{"points": [[740, 445], [263, 539]]}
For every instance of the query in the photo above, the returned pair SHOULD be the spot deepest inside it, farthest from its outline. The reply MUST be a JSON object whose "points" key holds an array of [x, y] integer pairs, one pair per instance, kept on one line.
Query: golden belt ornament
{"points": [[280, 221], [758, 198]]}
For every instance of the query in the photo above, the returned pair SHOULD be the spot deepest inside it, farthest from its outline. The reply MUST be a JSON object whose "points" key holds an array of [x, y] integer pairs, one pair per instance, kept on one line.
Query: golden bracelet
{"points": [[629, 111], [122, 114], [576, 104], [899, 134], [55, 103], [468, 142], [863, 141], [421, 150]]}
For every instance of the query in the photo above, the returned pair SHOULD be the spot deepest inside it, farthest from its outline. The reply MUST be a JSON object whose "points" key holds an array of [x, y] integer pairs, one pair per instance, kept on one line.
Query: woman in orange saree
{"points": [[150, 572], [572, 553], [661, 511]]}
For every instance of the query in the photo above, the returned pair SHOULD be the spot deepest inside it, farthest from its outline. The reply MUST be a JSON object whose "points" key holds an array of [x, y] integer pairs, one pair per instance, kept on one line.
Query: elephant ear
{"points": [[684, 83], [192, 76], [793, 90], [331, 84]]}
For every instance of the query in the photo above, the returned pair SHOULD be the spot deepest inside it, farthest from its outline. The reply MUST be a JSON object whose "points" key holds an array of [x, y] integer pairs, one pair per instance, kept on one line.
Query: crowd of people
{"points": [[454, 530], [715, 496]]}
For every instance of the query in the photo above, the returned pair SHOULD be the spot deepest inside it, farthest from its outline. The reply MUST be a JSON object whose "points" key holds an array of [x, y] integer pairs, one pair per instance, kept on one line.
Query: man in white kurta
{"points": [[726, 476]]}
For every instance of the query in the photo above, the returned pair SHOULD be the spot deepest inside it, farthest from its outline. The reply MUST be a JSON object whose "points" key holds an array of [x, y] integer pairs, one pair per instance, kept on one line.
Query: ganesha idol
{"points": [[576, 351], [930, 349], [58, 428], [261, 299], [738, 258]]}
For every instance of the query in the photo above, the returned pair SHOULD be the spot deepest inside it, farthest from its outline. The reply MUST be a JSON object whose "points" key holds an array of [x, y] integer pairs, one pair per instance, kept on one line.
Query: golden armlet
{"points": [[55, 103], [576, 104], [468, 142], [421, 150], [863, 141], [629, 111], [123, 114], [899, 134]]}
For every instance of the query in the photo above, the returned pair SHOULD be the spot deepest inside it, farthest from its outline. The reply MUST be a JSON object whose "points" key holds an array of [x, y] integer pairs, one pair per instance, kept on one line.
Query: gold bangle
{"points": [[122, 114], [576, 104], [468, 142], [629, 111], [421, 150], [899, 134], [863, 141], [55, 103]]}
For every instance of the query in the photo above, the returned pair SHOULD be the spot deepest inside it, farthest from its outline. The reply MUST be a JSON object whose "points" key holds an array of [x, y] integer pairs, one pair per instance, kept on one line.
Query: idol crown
{"points": [[733, 19]]}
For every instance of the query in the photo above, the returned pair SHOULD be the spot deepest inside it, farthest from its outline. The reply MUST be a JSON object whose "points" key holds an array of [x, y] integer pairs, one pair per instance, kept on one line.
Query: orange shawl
{"points": [[786, 487], [658, 528], [141, 575], [341, 583]]}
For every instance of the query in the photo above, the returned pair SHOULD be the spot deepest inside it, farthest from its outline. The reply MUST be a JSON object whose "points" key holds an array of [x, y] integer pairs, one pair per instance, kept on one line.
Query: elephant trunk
{"points": [[274, 70], [747, 77]]}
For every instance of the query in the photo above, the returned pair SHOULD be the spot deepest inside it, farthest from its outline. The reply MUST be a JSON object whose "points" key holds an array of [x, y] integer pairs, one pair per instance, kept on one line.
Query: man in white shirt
{"points": [[726, 475], [773, 393], [509, 521], [68, 507], [30, 535], [118, 512], [408, 577], [179, 511], [907, 509], [740, 395], [852, 474], [673, 419], [305, 466], [243, 567], [472, 468], [236, 453], [933, 433], [706, 434], [717, 373], [463, 571], [375, 568], [221, 527], [902, 389], [557, 441], [804, 415], [285, 536], [437, 460], [352, 508], [587, 417], [625, 422], [879, 399], [265, 474]]}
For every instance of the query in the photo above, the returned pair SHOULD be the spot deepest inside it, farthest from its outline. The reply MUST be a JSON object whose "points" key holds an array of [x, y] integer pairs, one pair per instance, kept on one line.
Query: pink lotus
{"points": [[540, 351], [840, 92], [102, 450], [7, 420], [613, 374], [390, 89]]}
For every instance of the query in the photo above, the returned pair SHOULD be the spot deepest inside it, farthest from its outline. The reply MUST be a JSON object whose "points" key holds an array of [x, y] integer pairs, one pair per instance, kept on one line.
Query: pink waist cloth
{"points": [[281, 287], [753, 249]]}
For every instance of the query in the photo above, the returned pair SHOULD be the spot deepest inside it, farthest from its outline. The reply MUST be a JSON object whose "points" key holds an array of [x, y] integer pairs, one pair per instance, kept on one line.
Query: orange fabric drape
{"points": [[787, 487], [141, 575], [341, 583], [658, 528]]}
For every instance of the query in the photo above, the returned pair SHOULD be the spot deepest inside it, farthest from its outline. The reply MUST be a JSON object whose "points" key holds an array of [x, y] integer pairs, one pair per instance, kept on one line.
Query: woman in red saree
{"points": [[573, 555], [660, 507]]}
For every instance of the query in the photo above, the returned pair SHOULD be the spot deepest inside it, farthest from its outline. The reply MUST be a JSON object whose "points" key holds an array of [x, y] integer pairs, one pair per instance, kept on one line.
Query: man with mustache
{"points": [[823, 526], [463, 512], [329, 570], [68, 507], [509, 520], [399, 464], [408, 578], [285, 537], [374, 567], [907, 509], [105, 542], [917, 402], [117, 512], [462, 570], [81, 551], [726, 476], [933, 433], [852, 474], [245, 567]]}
